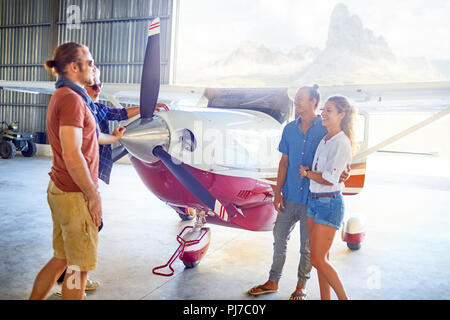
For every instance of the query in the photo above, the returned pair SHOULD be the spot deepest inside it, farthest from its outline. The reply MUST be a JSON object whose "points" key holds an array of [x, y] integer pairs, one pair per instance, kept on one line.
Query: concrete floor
{"points": [[405, 202]]}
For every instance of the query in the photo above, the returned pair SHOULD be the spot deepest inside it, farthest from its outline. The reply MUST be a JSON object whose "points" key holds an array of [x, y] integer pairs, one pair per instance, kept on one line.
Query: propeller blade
{"points": [[193, 185], [118, 153], [185, 177], [150, 72], [149, 81]]}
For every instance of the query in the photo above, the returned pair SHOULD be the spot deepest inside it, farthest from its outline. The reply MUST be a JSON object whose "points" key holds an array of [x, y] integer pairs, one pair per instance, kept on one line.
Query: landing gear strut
{"points": [[194, 243]]}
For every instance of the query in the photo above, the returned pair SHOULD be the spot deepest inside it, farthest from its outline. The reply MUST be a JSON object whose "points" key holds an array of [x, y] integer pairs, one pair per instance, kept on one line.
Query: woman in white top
{"points": [[326, 205]]}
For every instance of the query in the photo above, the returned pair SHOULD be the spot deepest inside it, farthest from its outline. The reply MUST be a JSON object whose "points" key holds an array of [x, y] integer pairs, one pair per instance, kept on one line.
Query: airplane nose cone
{"points": [[143, 135]]}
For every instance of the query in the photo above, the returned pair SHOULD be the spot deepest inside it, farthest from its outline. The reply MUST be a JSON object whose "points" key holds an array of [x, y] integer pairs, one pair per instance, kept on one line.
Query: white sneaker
{"points": [[58, 290], [91, 285]]}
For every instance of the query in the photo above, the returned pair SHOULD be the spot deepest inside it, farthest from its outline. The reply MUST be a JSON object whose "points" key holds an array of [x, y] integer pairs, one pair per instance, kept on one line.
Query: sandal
{"points": [[262, 290], [298, 295]]}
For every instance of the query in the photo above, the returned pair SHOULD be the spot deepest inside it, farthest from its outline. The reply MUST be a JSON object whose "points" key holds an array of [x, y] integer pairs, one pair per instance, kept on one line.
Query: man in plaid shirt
{"points": [[104, 115]]}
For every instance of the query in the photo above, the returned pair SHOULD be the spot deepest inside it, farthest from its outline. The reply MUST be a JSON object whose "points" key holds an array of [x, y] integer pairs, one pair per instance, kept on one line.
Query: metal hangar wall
{"points": [[114, 30]]}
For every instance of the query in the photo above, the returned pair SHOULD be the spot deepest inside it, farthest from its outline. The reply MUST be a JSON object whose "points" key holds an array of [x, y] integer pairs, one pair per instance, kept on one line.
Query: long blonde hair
{"points": [[347, 123]]}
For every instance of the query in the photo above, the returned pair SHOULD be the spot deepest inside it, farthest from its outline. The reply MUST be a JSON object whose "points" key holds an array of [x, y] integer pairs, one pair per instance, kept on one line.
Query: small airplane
{"points": [[213, 154]]}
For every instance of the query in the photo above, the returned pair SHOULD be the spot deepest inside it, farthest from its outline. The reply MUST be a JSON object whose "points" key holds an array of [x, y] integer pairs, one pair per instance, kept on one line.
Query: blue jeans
{"points": [[284, 225], [328, 211]]}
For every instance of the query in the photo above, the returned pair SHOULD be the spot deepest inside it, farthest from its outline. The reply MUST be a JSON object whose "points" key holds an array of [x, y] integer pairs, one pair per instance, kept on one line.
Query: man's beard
{"points": [[86, 77]]}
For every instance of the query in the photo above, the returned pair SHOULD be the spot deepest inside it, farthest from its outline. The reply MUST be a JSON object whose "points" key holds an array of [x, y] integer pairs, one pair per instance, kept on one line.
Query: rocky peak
{"points": [[347, 32]]}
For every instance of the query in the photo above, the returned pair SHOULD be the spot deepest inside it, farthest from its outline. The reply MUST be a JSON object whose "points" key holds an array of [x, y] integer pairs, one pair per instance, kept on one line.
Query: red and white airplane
{"points": [[213, 154]]}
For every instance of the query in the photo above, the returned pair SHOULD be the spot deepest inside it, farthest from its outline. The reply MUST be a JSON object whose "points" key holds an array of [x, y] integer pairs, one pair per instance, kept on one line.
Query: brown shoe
{"points": [[261, 289]]}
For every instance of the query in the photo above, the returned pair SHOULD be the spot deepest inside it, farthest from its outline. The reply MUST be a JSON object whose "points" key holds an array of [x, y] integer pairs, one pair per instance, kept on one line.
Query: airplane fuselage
{"points": [[232, 153]]}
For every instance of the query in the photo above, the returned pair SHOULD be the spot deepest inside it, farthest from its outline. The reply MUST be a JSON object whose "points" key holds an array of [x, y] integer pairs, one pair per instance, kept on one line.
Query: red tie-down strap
{"points": [[180, 250]]}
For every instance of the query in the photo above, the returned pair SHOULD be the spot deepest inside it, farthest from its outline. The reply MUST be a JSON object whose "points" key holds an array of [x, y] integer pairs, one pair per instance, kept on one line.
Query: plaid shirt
{"points": [[104, 115]]}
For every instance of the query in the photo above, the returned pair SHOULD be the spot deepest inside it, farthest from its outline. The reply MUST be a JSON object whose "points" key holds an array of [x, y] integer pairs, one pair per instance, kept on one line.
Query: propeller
{"points": [[145, 138], [149, 81], [118, 153]]}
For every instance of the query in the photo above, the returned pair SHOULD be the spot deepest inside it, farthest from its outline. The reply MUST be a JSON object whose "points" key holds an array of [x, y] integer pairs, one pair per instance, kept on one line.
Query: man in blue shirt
{"points": [[298, 145]]}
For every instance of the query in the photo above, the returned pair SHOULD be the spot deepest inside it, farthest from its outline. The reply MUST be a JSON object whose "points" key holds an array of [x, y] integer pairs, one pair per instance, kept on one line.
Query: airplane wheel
{"points": [[190, 265], [354, 246]]}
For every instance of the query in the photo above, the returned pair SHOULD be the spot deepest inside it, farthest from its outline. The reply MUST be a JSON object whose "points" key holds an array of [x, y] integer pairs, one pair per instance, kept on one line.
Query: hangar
{"points": [[114, 30], [140, 230]]}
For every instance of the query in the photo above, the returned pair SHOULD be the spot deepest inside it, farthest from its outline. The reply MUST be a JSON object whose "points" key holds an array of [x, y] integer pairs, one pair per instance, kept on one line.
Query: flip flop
{"points": [[263, 289], [297, 295]]}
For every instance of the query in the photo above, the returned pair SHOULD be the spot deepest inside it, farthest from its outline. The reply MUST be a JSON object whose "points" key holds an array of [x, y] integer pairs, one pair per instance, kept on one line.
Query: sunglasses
{"points": [[97, 86], [90, 63]]}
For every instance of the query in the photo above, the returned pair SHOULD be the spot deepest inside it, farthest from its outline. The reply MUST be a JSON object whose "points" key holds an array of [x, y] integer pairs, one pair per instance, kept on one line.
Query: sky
{"points": [[211, 29]]}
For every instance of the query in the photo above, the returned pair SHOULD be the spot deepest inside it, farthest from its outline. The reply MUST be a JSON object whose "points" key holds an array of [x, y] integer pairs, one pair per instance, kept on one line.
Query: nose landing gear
{"points": [[194, 243]]}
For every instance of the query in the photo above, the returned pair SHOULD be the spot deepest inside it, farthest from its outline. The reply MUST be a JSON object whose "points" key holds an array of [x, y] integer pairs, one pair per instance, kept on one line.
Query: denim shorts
{"points": [[328, 211]]}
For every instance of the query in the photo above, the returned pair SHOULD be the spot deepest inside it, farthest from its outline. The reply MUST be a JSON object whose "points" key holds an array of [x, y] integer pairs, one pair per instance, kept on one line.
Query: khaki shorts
{"points": [[75, 235]]}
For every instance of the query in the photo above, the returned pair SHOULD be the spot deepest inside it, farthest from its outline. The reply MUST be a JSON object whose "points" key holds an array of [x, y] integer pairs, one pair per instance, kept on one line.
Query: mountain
{"points": [[346, 33], [353, 54], [255, 64]]}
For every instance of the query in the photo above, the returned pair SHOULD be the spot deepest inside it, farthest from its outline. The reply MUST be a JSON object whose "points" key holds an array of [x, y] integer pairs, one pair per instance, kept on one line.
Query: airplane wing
{"points": [[392, 97], [430, 97], [369, 97], [118, 93], [35, 87], [272, 101], [170, 95]]}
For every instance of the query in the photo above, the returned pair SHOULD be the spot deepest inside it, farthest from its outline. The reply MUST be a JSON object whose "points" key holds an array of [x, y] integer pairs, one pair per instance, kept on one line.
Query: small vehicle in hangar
{"points": [[11, 141]]}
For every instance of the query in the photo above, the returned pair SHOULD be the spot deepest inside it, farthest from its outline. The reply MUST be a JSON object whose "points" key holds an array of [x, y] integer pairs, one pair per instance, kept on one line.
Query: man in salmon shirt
{"points": [[72, 191]]}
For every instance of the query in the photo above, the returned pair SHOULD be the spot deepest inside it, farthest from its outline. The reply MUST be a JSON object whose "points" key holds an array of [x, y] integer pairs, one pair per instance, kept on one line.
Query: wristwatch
{"points": [[305, 173]]}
